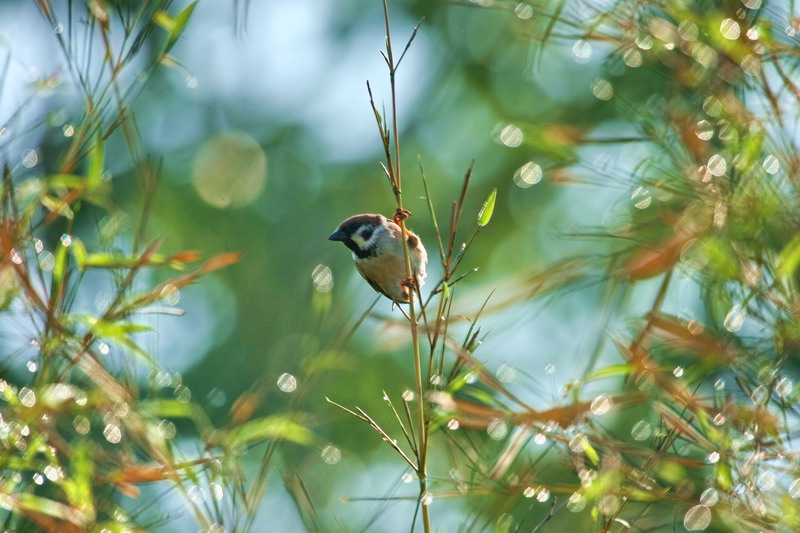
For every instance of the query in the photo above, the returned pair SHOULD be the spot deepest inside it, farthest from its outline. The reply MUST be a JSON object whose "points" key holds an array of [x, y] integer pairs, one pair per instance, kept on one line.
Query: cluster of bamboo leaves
{"points": [[695, 427], [80, 433]]}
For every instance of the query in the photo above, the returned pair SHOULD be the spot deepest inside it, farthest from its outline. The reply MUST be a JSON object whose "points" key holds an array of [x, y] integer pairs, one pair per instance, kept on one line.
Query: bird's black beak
{"points": [[338, 235]]}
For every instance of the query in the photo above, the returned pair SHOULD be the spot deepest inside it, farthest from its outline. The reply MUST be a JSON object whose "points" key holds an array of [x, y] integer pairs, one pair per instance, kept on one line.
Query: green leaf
{"points": [[789, 258], [79, 252], [723, 475], [78, 485], [610, 371], [97, 157], [485, 214], [590, 452], [277, 427], [446, 289]]}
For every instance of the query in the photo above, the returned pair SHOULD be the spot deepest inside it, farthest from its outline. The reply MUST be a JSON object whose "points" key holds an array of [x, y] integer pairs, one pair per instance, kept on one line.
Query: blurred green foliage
{"points": [[635, 185]]}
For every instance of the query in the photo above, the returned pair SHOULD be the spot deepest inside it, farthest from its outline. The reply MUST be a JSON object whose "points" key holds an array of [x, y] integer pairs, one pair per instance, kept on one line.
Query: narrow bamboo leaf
{"points": [[485, 214], [278, 427], [78, 485], [79, 252], [180, 21], [164, 20], [94, 173], [590, 452], [610, 372], [789, 258], [60, 267]]}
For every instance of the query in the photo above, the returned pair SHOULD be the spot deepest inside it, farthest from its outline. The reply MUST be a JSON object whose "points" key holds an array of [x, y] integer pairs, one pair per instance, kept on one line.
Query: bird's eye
{"points": [[366, 233]]}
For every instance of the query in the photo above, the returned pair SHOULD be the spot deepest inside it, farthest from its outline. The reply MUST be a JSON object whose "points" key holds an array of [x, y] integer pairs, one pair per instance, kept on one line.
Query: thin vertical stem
{"points": [[412, 311]]}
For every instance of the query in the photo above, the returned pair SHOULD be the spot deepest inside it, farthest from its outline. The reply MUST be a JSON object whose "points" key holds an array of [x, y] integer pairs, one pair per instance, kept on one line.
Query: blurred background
{"points": [[264, 141]]}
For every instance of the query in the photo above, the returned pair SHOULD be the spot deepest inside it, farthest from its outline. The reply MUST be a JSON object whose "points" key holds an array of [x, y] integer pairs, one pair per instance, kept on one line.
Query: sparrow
{"points": [[378, 253]]}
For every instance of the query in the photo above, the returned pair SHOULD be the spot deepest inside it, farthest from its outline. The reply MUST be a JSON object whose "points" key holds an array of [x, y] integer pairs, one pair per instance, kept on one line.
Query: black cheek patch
{"points": [[413, 241]]}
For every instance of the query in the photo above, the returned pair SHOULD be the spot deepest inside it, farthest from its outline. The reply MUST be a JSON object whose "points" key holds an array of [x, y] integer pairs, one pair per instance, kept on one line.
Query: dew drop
{"points": [[426, 498], [730, 29], [771, 165], [407, 477], [641, 430], [704, 130], [216, 491], [600, 405], [408, 395], [30, 158], [678, 371], [27, 397], [38, 478], [709, 497], [81, 424], [752, 4], [602, 89], [540, 439], [331, 454], [191, 82], [550, 368], [287, 382], [644, 380], [697, 518], [641, 198], [719, 384], [497, 429], [216, 397], [543, 495], [766, 481], [759, 395], [576, 503], [47, 261], [112, 433], [784, 387], [453, 424], [523, 11], [16, 258], [734, 319], [582, 50], [578, 443], [794, 489], [632, 57], [167, 429], [717, 165], [719, 419], [54, 473], [322, 276], [103, 348], [32, 366], [527, 175], [529, 492], [183, 394], [713, 457], [68, 130], [506, 373], [38, 245], [170, 294], [197, 494], [436, 379], [511, 136]]}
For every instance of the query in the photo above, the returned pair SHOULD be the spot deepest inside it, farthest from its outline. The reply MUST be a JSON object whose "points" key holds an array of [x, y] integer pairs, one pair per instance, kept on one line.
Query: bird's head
{"points": [[361, 233]]}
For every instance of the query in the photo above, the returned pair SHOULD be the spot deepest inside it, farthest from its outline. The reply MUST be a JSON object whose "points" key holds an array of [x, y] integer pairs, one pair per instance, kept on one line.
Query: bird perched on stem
{"points": [[378, 253]]}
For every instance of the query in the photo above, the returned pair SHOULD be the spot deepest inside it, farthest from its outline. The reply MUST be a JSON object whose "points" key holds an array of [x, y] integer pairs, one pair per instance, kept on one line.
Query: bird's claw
{"points": [[400, 215], [409, 283]]}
